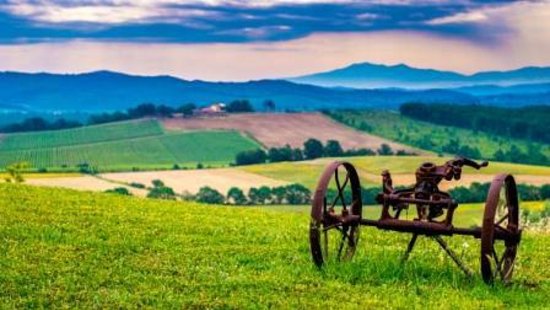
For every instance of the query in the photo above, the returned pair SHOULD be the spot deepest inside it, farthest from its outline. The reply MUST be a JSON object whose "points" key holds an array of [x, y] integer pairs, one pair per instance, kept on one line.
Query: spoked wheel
{"points": [[500, 233], [335, 214]]}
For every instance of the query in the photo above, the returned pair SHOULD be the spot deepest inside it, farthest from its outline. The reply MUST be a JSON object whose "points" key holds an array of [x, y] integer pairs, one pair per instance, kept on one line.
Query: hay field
{"points": [[276, 130]]}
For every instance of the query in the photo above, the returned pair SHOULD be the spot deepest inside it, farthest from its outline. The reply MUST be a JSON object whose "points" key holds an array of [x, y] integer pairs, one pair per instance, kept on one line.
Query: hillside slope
{"points": [[128, 145], [280, 129], [108, 91], [66, 249]]}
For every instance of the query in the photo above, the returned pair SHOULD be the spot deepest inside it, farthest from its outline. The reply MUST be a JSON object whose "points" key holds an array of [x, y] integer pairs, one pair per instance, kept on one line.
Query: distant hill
{"points": [[109, 91], [368, 75]]}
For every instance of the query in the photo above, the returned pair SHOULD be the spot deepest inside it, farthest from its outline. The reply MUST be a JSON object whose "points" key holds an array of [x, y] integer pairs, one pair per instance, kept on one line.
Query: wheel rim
{"points": [[501, 214], [335, 214]]}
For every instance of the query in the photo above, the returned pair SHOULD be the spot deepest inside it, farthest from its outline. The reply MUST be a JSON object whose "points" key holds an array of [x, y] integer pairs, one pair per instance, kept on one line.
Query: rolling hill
{"points": [[110, 91], [124, 146]]}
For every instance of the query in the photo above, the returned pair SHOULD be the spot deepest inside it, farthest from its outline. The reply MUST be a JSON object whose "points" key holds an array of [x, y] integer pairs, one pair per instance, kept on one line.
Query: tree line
{"points": [[529, 123], [139, 111], [477, 192], [312, 149], [292, 194]]}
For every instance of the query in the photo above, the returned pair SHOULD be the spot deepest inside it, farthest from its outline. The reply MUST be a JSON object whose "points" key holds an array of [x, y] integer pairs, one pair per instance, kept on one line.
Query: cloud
{"points": [[245, 61], [469, 17], [191, 21]]}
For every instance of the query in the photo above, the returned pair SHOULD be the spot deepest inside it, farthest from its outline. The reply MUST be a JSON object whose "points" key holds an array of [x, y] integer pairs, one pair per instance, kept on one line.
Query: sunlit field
{"points": [[62, 248]]}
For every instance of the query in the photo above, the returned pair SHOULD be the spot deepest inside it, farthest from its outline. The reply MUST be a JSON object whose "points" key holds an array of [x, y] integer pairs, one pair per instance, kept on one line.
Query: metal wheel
{"points": [[335, 214], [501, 217]]}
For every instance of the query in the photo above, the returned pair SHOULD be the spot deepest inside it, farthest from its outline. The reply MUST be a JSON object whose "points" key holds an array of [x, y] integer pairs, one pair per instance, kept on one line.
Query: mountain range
{"points": [[368, 75], [110, 91]]}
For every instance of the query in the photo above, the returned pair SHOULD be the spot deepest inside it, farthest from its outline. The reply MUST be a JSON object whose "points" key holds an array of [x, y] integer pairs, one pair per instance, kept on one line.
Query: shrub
{"points": [[15, 171], [119, 191], [137, 185]]}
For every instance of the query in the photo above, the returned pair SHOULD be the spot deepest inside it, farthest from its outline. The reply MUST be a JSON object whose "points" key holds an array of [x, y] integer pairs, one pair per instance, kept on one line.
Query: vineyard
{"points": [[67, 249], [139, 144], [441, 139]]}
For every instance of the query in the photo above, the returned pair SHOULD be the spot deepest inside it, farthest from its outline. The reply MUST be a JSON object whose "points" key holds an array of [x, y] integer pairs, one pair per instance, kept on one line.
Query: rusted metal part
{"points": [[342, 213], [453, 255], [503, 194], [328, 223]]}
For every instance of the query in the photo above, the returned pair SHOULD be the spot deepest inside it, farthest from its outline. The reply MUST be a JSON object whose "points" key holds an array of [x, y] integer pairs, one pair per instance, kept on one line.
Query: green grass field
{"points": [[123, 146], [370, 167], [67, 249], [428, 136]]}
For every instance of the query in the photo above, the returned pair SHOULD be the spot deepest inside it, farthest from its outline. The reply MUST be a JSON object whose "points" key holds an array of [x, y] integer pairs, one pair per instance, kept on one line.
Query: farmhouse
{"points": [[216, 109]]}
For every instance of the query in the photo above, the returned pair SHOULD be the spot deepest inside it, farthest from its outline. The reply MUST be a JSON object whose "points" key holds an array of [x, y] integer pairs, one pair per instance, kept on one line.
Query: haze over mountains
{"points": [[110, 91], [368, 75]]}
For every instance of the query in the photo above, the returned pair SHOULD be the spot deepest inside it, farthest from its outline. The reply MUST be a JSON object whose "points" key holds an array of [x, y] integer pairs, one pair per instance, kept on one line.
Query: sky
{"points": [[236, 40]]}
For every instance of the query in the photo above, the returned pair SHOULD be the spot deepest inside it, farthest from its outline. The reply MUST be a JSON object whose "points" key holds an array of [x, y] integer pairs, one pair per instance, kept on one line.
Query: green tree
{"points": [[278, 194], [236, 196], [239, 106], [209, 195], [250, 157], [385, 149], [545, 192], [297, 194], [313, 148], [162, 192], [187, 109], [157, 183], [279, 154], [333, 149], [259, 196], [269, 105], [297, 154]]}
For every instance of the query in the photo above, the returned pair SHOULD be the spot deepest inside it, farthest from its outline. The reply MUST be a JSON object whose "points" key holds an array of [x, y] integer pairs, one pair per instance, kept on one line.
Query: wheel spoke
{"points": [[325, 241], [341, 246], [340, 189], [502, 219], [498, 265]]}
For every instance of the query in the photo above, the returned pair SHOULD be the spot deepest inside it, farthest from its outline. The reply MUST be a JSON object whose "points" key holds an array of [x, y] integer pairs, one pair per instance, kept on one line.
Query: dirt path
{"points": [[192, 180], [85, 182], [276, 130]]}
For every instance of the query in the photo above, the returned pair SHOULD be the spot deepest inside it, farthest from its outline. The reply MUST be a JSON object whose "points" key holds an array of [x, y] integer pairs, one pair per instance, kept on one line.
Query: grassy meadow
{"points": [[370, 168], [67, 249], [122, 146]]}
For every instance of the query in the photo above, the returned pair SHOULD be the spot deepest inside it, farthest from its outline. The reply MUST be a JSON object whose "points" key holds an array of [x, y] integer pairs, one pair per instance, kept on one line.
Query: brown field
{"points": [[276, 130], [192, 180]]}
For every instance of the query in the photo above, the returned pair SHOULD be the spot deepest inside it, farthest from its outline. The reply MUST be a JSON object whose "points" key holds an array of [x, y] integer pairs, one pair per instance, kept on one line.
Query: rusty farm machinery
{"points": [[336, 215]]}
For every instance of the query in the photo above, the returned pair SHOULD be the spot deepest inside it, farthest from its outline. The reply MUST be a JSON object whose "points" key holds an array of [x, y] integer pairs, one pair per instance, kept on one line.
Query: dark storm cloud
{"points": [[187, 21]]}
